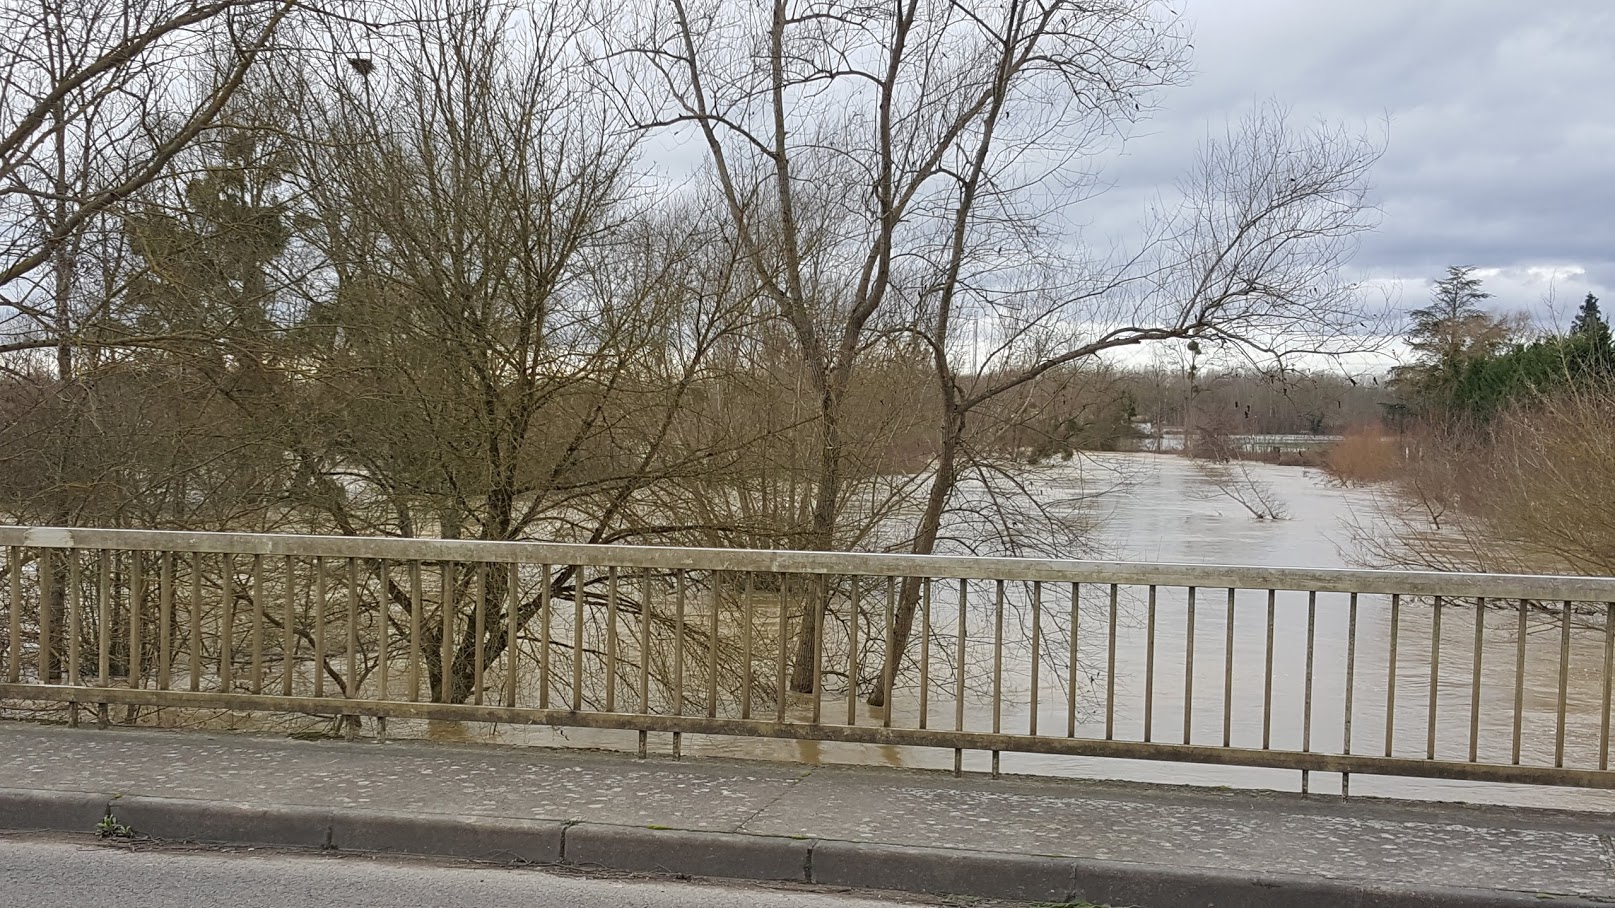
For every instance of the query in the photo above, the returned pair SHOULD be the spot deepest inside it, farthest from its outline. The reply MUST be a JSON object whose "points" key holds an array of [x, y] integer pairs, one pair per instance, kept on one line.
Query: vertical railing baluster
{"points": [[14, 641], [611, 640], [165, 620], [678, 643], [579, 589], [350, 687], [1435, 680], [513, 601], [645, 613], [103, 617], [747, 617], [195, 619], [544, 601], [998, 668], [780, 681], [227, 623], [1188, 670], [1306, 703], [448, 625], [1037, 634], [288, 629], [1609, 684], [319, 624], [958, 681], [644, 657], [1228, 674], [925, 652], [820, 605], [417, 607], [1474, 680], [1390, 677], [998, 657], [1149, 667], [43, 663], [479, 631], [72, 601], [1110, 671], [1267, 674], [889, 659], [257, 685], [137, 605], [1519, 682], [678, 660], [712, 644], [103, 643], [1564, 686], [1071, 665], [75, 622], [384, 613], [1312, 644], [854, 611], [1351, 686]]}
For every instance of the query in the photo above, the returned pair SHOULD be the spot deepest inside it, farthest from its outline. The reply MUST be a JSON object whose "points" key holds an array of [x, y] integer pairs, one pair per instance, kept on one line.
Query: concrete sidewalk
{"points": [[1017, 837]]}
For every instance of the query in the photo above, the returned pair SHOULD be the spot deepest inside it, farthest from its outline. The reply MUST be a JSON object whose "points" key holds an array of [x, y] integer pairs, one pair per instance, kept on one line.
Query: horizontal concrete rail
{"points": [[1545, 587]]}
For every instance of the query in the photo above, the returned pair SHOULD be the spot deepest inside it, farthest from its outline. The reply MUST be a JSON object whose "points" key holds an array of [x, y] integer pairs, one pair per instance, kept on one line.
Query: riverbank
{"points": [[1025, 838]]}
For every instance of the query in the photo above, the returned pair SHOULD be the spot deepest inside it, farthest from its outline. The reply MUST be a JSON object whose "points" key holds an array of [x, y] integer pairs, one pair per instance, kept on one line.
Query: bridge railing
{"points": [[1442, 675]]}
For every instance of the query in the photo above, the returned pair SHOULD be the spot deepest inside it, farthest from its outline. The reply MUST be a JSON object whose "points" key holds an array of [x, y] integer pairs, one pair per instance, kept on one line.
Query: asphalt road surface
{"points": [[40, 872]]}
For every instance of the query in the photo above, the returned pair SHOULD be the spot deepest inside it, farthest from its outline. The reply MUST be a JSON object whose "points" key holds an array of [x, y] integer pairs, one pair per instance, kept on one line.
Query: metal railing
{"points": [[1457, 676]]}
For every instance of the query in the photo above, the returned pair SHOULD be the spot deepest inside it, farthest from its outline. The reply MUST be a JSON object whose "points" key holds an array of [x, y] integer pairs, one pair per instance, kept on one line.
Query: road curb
{"points": [[717, 854], [938, 871], [493, 839], [944, 871], [180, 820], [23, 809]]}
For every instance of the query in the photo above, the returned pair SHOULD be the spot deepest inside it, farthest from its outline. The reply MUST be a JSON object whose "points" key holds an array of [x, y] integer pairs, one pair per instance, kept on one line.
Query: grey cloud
{"points": [[1501, 119]]}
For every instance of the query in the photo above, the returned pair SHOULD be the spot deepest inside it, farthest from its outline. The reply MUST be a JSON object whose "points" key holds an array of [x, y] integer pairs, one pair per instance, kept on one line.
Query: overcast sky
{"points": [[1501, 129]]}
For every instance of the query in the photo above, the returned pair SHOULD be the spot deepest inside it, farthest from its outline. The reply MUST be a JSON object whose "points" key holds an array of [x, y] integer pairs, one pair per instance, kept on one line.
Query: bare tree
{"points": [[1233, 479], [853, 146], [502, 342], [1250, 262]]}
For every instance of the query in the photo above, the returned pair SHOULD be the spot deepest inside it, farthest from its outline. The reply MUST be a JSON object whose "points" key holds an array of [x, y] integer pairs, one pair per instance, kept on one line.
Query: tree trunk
{"points": [[930, 526], [804, 669]]}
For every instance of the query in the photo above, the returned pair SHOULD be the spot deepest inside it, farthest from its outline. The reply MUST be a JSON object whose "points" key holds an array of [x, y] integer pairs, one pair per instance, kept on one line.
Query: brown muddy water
{"points": [[1162, 509]]}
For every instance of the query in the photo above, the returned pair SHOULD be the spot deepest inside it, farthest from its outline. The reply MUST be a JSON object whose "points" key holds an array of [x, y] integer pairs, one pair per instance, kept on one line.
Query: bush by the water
{"points": [[1533, 491], [1364, 455]]}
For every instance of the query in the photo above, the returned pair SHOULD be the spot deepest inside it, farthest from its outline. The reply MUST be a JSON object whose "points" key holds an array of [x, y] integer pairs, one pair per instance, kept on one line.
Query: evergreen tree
{"points": [[1449, 336], [1454, 325], [1488, 383], [210, 253], [1590, 322]]}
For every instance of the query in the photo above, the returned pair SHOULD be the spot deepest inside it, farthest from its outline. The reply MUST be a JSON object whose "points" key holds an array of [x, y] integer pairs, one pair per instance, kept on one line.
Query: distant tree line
{"points": [[1471, 364], [1121, 408]]}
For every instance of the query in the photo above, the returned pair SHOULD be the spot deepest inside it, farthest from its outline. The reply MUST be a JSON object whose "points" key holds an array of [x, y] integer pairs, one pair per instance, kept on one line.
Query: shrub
{"points": [[1364, 455], [1533, 491]]}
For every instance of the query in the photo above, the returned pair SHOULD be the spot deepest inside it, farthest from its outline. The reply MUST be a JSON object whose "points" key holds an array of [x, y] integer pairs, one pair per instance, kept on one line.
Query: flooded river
{"points": [[1162, 509]]}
